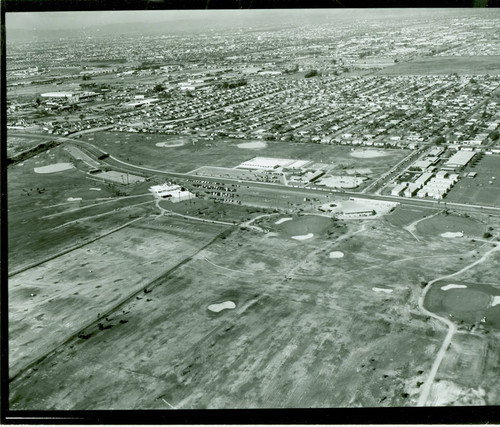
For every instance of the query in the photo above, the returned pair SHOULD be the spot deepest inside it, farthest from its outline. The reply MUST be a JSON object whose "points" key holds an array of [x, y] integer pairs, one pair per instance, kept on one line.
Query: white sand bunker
{"points": [[229, 305], [170, 144], [452, 234], [495, 301], [253, 144], [56, 167], [368, 154], [271, 234], [336, 254], [95, 189], [303, 237], [282, 220], [452, 286], [74, 199], [387, 291]]}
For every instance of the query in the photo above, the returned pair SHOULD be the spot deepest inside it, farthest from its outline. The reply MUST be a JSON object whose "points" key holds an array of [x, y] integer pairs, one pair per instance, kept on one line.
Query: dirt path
{"points": [[248, 223], [99, 215], [424, 395], [411, 228]]}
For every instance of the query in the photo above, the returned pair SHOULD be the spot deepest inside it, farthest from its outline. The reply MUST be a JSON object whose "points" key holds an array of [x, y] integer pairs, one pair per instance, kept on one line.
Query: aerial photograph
{"points": [[253, 209]]}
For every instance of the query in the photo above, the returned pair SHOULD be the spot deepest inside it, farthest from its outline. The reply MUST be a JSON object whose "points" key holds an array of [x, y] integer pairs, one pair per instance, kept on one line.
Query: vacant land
{"points": [[487, 64], [484, 189], [54, 301], [306, 331], [142, 150]]}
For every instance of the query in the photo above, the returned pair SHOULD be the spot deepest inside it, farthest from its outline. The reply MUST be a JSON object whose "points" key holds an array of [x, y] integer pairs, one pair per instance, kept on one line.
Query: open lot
{"points": [[487, 64], [484, 189]]}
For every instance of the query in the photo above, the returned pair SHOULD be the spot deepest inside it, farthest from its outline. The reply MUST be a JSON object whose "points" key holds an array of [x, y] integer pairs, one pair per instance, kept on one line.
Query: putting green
{"points": [[305, 225], [465, 300]]}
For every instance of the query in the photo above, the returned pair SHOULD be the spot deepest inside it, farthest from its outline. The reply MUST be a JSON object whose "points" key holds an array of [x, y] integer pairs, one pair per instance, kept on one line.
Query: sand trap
{"points": [[74, 199], [336, 254], [222, 306], [387, 291], [95, 189], [495, 301], [253, 144], [169, 144], [452, 286], [451, 234], [282, 220], [56, 167], [20, 164], [271, 234], [303, 237], [368, 154]]}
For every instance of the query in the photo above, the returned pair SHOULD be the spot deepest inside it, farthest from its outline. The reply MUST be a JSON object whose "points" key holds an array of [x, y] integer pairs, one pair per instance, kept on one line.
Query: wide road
{"points": [[116, 163]]}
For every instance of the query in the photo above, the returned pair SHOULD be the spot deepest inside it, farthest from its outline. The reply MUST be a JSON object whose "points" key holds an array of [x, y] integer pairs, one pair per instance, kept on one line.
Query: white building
{"points": [[174, 193]]}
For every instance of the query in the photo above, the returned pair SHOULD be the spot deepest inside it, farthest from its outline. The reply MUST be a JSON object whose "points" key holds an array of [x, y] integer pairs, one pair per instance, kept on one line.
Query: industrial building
{"points": [[269, 163], [459, 160]]}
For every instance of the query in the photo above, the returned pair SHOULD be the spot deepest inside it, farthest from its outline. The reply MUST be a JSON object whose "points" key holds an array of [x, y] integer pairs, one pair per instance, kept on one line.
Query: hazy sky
{"points": [[71, 20]]}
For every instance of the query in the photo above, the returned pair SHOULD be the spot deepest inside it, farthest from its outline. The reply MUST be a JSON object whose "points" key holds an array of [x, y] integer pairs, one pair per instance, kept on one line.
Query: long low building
{"points": [[459, 159], [266, 163]]}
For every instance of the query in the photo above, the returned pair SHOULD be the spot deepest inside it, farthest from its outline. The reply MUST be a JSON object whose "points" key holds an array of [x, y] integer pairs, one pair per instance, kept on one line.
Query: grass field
{"points": [[404, 215], [142, 149], [469, 304], [487, 64], [45, 215], [212, 210], [452, 223], [478, 190]]}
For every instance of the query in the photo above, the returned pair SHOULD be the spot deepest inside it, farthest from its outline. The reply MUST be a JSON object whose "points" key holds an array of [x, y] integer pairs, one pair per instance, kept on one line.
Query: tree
{"points": [[311, 73], [158, 88], [494, 135]]}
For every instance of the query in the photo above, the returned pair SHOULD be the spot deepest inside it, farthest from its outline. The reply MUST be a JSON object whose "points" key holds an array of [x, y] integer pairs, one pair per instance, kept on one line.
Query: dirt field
{"points": [[306, 330], [52, 302], [483, 189], [488, 64]]}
